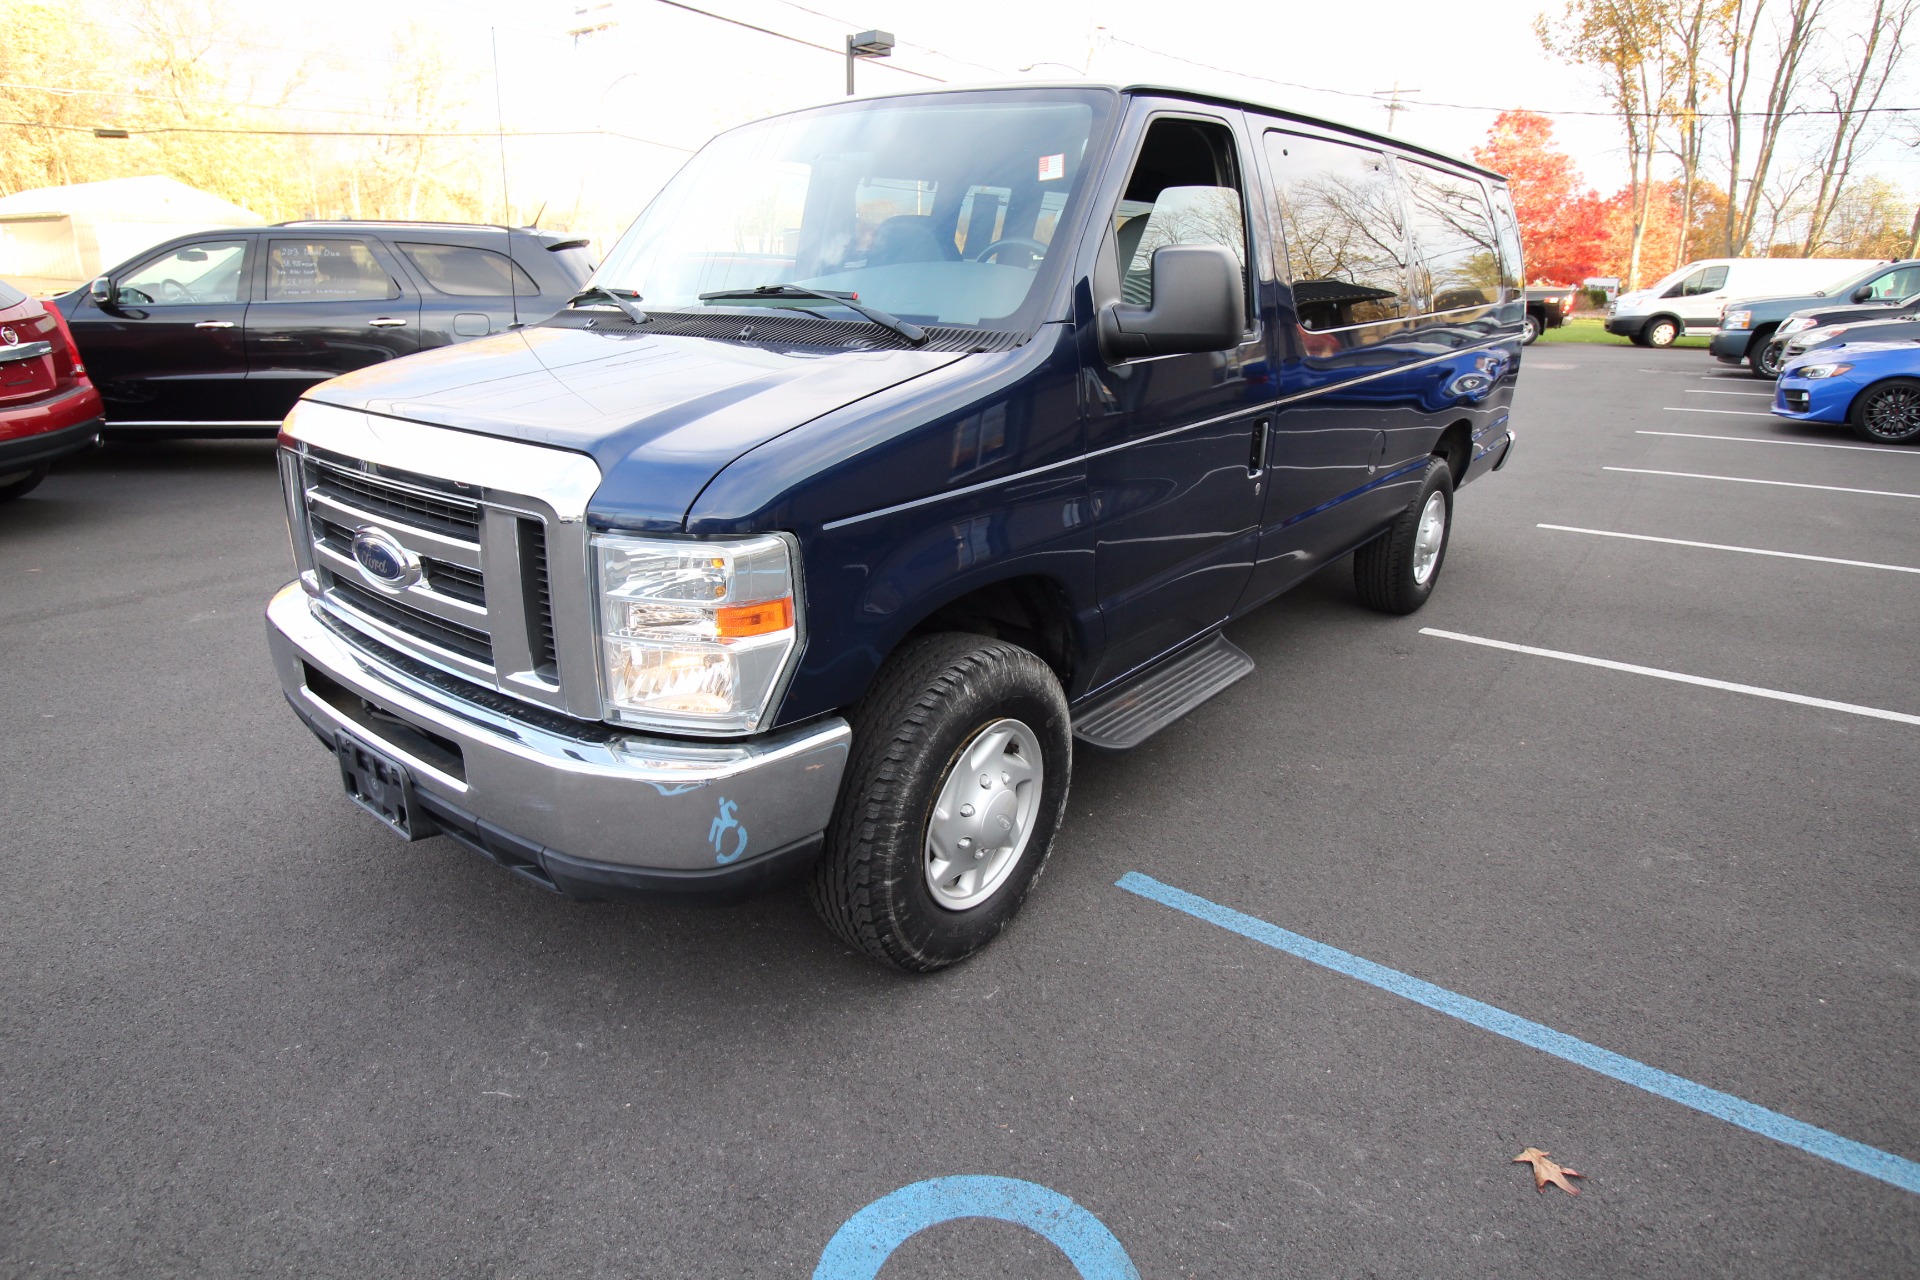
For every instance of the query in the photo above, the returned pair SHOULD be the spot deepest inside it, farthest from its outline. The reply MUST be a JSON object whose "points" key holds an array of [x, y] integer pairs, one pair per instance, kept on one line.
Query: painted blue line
{"points": [[865, 1241], [1861, 1158]]}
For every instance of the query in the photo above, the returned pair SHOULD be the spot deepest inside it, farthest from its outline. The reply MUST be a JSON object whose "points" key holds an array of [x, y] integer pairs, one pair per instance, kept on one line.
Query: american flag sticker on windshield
{"points": [[1052, 167]]}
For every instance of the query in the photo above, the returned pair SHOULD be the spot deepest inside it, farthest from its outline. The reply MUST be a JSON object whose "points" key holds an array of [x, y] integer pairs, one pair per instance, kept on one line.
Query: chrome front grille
{"points": [[482, 603]]}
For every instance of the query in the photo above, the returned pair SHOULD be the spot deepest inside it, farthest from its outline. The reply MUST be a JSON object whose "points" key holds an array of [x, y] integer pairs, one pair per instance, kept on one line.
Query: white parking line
{"points": [[1695, 391], [1721, 546], [1785, 484], [1731, 413], [1804, 444], [1778, 695]]}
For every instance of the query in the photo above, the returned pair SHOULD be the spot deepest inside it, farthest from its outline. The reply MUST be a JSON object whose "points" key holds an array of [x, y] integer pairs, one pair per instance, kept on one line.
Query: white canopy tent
{"points": [[54, 238]]}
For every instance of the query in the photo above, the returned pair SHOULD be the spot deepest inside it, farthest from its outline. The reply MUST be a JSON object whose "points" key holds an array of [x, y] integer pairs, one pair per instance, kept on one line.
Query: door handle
{"points": [[385, 322], [214, 324], [1257, 457]]}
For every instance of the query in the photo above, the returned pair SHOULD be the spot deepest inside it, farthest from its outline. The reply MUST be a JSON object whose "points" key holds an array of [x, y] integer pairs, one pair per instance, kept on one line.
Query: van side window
{"points": [[1704, 281], [1458, 262], [1506, 233], [1185, 189], [1346, 241]]}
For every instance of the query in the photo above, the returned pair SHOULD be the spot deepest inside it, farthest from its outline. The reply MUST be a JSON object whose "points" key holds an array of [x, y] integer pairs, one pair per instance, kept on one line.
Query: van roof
{"points": [[1198, 95]]}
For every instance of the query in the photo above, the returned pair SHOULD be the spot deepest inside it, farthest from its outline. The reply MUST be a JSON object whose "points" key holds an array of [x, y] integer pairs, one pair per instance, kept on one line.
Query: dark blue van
{"points": [[899, 443]]}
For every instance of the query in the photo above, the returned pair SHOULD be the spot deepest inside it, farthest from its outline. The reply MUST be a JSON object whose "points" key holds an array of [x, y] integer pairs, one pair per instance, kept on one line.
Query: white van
{"points": [[1690, 300]]}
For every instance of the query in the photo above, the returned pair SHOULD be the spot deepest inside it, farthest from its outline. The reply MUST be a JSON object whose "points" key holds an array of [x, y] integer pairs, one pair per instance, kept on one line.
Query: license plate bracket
{"points": [[382, 786]]}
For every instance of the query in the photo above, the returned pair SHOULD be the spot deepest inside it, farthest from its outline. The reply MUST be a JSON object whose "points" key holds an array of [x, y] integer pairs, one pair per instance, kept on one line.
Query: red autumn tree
{"points": [[1563, 228]]}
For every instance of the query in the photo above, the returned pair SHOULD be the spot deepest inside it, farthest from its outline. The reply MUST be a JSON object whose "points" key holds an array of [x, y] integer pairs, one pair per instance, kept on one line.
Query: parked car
{"points": [[1547, 308], [1802, 331], [48, 406], [220, 332], [1750, 323], [1873, 387], [1691, 299], [899, 442]]}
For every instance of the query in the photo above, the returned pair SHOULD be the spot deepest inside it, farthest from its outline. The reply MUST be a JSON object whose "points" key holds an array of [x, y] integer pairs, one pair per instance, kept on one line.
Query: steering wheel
{"points": [[174, 291], [1033, 247]]}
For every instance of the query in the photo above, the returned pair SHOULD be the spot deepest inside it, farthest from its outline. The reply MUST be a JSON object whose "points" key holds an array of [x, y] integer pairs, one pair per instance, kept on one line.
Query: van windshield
{"points": [[940, 209]]}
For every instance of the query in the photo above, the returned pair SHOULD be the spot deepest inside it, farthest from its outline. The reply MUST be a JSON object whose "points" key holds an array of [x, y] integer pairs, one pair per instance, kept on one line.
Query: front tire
{"points": [[1661, 332], [962, 753], [1887, 412], [18, 484], [1764, 359], [1395, 572]]}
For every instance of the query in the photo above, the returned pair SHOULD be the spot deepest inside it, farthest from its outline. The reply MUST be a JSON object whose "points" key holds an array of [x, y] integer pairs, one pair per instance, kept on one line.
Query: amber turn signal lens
{"points": [[738, 621]]}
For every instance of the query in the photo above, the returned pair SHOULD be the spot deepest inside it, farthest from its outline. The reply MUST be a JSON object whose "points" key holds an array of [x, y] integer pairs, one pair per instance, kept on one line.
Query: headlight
{"points": [[695, 636], [1818, 371], [1737, 320], [1796, 324]]}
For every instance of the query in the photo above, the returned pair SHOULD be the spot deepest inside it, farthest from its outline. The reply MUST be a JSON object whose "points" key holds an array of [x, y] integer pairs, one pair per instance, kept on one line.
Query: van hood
{"points": [[683, 407]]}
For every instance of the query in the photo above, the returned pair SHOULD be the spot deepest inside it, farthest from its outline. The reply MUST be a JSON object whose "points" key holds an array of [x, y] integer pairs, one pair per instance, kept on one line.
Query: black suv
{"points": [[220, 332]]}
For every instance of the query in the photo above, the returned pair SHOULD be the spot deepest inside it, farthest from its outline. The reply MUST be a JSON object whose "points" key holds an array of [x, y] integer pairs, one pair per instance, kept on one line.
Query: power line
{"points": [[349, 133], [834, 17], [781, 35], [1466, 106]]}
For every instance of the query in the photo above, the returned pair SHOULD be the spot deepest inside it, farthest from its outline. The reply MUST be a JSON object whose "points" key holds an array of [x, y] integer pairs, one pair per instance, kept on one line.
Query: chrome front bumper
{"points": [[578, 805]]}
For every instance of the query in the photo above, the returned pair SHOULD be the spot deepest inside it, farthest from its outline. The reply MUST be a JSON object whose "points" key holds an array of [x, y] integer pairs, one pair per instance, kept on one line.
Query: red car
{"points": [[48, 407]]}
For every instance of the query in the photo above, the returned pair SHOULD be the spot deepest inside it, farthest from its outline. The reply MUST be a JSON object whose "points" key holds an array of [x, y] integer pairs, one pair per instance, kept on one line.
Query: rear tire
{"points": [[1888, 412], [893, 881], [1661, 332], [1529, 329], [18, 484], [1395, 572]]}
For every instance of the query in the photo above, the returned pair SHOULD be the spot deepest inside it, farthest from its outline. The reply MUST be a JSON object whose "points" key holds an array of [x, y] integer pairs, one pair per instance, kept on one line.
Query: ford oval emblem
{"points": [[383, 562]]}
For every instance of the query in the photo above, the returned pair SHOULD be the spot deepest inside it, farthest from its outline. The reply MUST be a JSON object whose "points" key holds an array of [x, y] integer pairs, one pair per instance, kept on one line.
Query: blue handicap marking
{"points": [[865, 1241], [717, 833]]}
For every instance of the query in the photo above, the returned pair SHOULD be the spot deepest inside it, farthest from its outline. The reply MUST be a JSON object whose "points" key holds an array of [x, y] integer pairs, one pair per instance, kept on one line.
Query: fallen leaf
{"points": [[1545, 1171]]}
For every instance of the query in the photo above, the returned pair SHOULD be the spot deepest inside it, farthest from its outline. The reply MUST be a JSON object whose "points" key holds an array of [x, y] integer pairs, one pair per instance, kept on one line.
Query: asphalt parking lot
{"points": [[246, 1032]]}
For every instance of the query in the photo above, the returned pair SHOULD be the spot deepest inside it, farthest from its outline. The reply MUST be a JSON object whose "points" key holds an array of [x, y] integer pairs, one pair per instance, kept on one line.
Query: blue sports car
{"points": [[1874, 387]]}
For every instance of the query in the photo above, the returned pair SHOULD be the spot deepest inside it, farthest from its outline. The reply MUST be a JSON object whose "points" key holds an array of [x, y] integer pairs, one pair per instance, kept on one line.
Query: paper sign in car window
{"points": [[1052, 167]]}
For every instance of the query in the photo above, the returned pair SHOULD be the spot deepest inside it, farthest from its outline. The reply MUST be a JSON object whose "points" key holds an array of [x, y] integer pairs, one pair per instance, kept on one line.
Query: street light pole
{"points": [[868, 44]]}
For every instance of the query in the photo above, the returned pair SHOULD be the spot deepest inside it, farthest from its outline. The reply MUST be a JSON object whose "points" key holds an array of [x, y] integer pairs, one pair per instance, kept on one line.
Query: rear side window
{"points": [[1506, 231], [1339, 208], [1459, 260], [466, 272], [1894, 285], [326, 271]]}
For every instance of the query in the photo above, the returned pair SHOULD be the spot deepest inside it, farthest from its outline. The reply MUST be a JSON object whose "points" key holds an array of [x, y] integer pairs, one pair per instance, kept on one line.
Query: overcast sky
{"points": [[676, 77]]}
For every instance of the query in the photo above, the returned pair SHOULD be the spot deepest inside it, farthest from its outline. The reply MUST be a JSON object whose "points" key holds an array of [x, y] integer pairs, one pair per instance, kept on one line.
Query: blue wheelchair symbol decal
{"points": [[865, 1241], [717, 833]]}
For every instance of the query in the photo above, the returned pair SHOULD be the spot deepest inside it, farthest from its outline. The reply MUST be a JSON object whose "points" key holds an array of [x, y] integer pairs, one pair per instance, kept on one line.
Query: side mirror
{"points": [[102, 291], [1863, 294], [1198, 305]]}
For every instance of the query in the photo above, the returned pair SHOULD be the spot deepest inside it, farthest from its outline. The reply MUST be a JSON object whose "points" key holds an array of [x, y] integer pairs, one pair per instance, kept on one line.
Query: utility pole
{"points": [[1394, 105]]}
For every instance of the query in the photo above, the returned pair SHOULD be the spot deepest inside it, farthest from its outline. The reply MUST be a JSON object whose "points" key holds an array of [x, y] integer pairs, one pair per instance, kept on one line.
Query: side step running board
{"points": [[1149, 702]]}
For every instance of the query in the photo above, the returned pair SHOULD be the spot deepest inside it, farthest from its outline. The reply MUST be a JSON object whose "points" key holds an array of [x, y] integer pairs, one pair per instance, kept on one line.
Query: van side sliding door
{"points": [[1347, 321]]}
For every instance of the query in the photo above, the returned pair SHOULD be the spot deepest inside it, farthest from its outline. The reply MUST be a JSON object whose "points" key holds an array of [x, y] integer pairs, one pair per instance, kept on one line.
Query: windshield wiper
{"points": [[851, 301], [621, 298]]}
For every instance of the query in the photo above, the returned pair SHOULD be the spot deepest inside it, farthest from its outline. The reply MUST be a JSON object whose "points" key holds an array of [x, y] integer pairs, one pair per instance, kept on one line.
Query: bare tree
{"points": [[1855, 94], [1691, 29], [1628, 40], [1792, 39]]}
